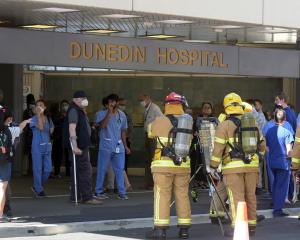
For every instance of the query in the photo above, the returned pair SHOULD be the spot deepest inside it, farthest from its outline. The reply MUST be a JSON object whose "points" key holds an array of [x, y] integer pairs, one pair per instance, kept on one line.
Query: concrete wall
{"points": [[195, 89]]}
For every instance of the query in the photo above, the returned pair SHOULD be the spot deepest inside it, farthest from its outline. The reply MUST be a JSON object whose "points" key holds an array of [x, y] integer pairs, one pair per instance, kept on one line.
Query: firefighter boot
{"points": [[158, 233], [184, 233], [252, 231]]}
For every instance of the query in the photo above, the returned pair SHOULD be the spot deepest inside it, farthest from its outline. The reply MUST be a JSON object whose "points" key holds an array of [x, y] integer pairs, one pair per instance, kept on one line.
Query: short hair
{"points": [[113, 97], [257, 100], [250, 101], [282, 96], [42, 101], [209, 103]]}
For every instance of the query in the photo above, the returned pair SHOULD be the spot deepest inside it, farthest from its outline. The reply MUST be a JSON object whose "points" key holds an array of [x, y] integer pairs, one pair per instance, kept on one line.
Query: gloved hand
{"points": [[213, 172]]}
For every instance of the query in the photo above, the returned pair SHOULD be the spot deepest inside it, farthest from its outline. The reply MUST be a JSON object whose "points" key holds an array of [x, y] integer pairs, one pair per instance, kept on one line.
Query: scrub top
{"points": [[276, 139], [111, 135], [40, 136], [272, 123], [291, 117]]}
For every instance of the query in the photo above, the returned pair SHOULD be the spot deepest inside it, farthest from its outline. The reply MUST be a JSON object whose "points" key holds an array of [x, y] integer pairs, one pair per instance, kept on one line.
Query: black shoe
{"points": [[252, 231], [184, 233], [157, 233], [282, 214], [7, 210], [260, 218], [38, 194]]}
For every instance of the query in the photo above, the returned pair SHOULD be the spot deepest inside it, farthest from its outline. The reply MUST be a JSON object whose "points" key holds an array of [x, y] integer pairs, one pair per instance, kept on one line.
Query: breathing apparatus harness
{"points": [[237, 150], [169, 150]]}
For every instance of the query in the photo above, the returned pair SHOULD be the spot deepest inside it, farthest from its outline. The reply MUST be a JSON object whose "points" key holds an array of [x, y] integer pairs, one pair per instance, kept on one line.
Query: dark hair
{"points": [[7, 114], [211, 106], [64, 101], [42, 101], [250, 101], [30, 98], [282, 96], [279, 120], [257, 100], [113, 97]]}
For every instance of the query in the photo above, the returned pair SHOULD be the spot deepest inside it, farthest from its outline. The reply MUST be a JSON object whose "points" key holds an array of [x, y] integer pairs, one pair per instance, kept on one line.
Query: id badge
{"points": [[117, 150]]}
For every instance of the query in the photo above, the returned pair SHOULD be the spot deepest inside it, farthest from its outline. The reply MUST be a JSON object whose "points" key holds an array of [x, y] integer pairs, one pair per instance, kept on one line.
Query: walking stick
{"points": [[75, 175]]}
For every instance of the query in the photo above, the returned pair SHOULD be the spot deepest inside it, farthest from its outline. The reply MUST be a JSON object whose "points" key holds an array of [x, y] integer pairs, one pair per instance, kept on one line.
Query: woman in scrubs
{"points": [[42, 127]]}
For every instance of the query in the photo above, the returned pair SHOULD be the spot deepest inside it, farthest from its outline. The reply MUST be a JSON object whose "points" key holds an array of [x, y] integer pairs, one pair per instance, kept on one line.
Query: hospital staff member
{"points": [[279, 142], [42, 127], [112, 147]]}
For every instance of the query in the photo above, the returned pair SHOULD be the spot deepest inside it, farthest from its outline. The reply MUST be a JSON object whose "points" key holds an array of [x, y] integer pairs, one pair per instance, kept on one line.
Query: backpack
{"points": [[5, 146], [246, 138]]}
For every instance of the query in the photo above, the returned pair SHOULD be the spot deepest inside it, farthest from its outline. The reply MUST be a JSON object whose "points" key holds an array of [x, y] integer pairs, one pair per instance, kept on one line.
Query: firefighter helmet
{"points": [[176, 98], [233, 104]]}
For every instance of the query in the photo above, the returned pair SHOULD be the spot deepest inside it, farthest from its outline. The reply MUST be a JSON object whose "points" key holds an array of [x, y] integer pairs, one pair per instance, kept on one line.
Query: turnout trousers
{"points": [[241, 188], [165, 185]]}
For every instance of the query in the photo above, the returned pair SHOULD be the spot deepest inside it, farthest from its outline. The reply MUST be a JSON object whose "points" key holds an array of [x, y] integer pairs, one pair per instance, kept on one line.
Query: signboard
{"points": [[94, 51]]}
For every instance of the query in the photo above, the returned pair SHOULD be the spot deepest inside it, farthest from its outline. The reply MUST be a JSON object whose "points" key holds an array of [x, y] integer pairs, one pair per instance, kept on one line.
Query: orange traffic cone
{"points": [[241, 231]]}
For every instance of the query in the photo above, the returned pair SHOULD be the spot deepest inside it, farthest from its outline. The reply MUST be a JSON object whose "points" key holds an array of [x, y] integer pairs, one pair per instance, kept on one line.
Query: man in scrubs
{"points": [[112, 147]]}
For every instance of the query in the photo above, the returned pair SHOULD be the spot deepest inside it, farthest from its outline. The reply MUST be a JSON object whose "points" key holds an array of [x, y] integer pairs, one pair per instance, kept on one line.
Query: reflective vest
{"points": [[296, 151]]}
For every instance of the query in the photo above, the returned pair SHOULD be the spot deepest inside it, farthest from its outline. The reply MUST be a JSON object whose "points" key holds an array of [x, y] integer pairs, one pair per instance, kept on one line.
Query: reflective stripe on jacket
{"points": [[224, 137]]}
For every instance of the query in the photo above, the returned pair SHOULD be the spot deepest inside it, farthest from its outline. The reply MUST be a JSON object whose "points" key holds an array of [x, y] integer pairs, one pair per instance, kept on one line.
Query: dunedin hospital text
{"points": [[109, 52]]}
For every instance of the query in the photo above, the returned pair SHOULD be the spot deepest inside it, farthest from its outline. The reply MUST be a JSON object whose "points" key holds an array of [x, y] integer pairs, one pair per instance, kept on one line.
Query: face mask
{"points": [[122, 108], [84, 103], [65, 108], [41, 109], [143, 103]]}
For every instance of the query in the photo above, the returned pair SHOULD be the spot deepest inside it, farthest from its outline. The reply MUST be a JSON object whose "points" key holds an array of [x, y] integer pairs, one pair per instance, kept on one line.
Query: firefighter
{"points": [[170, 174], [295, 154], [240, 170]]}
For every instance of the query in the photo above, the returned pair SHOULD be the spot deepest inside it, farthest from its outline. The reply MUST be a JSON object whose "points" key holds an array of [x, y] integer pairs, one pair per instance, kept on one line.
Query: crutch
{"points": [[75, 175]]}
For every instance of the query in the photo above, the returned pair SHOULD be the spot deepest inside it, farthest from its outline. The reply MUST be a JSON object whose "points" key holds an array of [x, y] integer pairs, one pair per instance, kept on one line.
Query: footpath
{"points": [[55, 214]]}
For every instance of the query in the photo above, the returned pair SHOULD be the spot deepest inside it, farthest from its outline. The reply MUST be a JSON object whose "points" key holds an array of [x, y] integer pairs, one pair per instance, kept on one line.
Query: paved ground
{"points": [[275, 229], [56, 214]]}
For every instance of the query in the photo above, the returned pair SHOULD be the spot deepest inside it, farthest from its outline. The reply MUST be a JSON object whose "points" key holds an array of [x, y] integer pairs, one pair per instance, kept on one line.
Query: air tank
{"points": [[184, 135]]}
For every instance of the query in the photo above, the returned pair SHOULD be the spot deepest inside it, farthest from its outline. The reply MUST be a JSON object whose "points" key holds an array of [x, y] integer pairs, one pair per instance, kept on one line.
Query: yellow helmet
{"points": [[233, 104]]}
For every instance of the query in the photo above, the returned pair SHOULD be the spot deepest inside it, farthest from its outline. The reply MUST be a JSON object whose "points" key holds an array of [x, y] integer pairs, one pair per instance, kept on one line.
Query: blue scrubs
{"points": [[111, 149], [265, 130], [277, 138], [41, 153], [291, 117]]}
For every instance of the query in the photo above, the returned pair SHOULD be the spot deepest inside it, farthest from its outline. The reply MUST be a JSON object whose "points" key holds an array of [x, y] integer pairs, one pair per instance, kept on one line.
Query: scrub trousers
{"points": [[241, 188], [41, 168], [280, 188], [117, 162]]}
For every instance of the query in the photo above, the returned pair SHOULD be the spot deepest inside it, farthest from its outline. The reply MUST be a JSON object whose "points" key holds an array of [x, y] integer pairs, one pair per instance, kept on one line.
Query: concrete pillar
{"points": [[289, 88], [12, 85]]}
